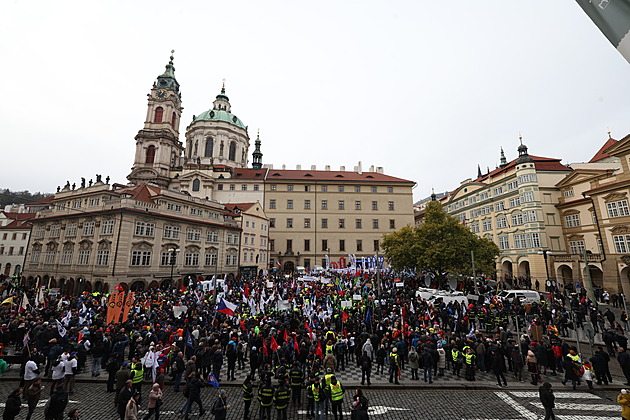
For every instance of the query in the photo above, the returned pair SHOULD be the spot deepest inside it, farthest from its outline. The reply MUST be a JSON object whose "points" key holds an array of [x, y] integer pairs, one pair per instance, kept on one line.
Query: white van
{"points": [[525, 296]]}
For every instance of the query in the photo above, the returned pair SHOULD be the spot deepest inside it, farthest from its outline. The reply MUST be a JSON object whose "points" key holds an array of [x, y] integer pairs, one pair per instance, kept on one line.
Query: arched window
{"points": [[159, 111], [196, 184], [173, 119], [150, 154], [209, 147], [232, 155]]}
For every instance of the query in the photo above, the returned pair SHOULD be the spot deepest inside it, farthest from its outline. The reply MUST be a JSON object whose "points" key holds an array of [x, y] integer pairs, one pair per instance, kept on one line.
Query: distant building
{"points": [[15, 229]]}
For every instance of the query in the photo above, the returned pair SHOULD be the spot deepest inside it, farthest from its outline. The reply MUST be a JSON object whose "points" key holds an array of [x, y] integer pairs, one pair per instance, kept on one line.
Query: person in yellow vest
{"points": [[318, 398], [470, 360], [457, 358], [394, 366], [336, 397], [137, 376]]}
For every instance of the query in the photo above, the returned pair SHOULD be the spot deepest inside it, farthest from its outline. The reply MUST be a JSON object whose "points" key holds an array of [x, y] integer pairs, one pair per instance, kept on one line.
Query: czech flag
{"points": [[226, 307]]}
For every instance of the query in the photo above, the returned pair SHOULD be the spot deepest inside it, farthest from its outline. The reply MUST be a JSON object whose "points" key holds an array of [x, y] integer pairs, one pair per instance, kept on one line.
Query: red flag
{"points": [[344, 316], [295, 345], [265, 351], [119, 288], [310, 333], [345, 333], [318, 350], [550, 296], [246, 291], [286, 336], [274, 344]]}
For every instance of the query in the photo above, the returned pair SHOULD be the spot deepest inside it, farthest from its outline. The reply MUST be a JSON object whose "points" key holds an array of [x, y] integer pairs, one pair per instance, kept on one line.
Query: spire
{"points": [[479, 171], [433, 196], [222, 102], [167, 79], [523, 157], [609, 136], [257, 162], [503, 159]]}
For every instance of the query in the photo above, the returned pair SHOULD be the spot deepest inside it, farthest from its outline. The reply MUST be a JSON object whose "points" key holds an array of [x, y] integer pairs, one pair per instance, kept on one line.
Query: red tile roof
{"points": [[19, 216], [231, 207], [601, 153], [141, 192], [315, 175], [540, 163], [45, 200]]}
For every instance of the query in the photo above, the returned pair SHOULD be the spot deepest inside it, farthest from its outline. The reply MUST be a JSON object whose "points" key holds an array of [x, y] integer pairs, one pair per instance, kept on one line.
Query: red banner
{"points": [[128, 304]]}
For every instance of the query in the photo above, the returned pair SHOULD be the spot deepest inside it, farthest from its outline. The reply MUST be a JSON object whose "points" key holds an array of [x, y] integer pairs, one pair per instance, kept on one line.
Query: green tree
{"points": [[441, 244]]}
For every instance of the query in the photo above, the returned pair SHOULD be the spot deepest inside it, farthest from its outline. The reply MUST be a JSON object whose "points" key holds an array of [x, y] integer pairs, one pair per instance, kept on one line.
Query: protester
{"points": [[359, 407], [13, 405], [624, 399], [155, 402], [547, 399], [33, 394]]}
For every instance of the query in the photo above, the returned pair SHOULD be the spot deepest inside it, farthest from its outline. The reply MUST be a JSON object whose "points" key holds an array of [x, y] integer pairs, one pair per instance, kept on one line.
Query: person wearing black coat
{"points": [[194, 395], [124, 396], [58, 404], [569, 372], [624, 361], [497, 362], [366, 368], [548, 400], [13, 406]]}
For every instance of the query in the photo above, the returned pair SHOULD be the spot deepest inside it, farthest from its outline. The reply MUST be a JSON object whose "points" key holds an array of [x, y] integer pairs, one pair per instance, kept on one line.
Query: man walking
{"points": [[548, 400]]}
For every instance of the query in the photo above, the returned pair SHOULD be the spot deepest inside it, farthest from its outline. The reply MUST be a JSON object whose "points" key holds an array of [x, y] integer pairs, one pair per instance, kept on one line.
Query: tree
{"points": [[441, 245]]}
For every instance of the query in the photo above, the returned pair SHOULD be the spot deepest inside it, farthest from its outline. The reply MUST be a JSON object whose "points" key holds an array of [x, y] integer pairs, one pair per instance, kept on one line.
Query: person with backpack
{"points": [[359, 407], [220, 406], [366, 368], [394, 366]]}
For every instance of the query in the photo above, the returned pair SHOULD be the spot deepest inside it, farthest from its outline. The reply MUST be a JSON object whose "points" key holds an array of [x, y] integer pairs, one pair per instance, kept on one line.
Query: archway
{"points": [[523, 269], [45, 280], [125, 287], [62, 286], [506, 269], [69, 289], [98, 286], [137, 286], [597, 276], [166, 284], [153, 285], [87, 287], [564, 275], [7, 269], [289, 266], [53, 283]]}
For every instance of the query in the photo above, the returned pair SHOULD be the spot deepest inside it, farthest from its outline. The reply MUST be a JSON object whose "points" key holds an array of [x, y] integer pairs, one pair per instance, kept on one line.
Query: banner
{"points": [[284, 305], [612, 17], [357, 297], [346, 304], [119, 300], [179, 310], [128, 304]]}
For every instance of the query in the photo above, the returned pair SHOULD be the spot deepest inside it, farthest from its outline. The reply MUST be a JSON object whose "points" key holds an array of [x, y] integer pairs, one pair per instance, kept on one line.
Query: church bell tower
{"points": [[158, 149]]}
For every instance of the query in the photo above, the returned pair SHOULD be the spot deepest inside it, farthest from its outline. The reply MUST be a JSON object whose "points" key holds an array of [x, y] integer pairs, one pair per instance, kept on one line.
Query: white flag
{"points": [[61, 329], [24, 303], [411, 308]]}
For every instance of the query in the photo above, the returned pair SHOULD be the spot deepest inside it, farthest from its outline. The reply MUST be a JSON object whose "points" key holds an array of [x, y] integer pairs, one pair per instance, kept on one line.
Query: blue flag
{"points": [[368, 315], [189, 340], [212, 381]]}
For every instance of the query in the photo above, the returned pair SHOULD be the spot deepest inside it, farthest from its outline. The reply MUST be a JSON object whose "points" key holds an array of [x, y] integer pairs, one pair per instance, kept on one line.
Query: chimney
{"points": [[327, 168], [313, 167], [298, 167], [356, 168], [284, 166], [372, 168], [360, 171], [379, 169], [342, 168]]}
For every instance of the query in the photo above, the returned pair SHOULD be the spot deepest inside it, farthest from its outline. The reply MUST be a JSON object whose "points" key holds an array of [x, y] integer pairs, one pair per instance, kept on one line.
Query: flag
{"points": [[310, 332], [278, 264], [189, 340], [111, 309], [318, 350], [274, 344], [411, 308], [296, 347], [24, 303], [120, 301], [226, 307], [264, 349], [61, 329], [128, 304], [246, 291], [119, 288], [212, 381], [612, 17], [26, 339], [66, 319], [285, 337], [344, 316], [8, 301], [368, 315]]}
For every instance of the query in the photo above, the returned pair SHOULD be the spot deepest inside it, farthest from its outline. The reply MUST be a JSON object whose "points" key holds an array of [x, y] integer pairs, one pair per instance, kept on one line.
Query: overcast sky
{"points": [[426, 89]]}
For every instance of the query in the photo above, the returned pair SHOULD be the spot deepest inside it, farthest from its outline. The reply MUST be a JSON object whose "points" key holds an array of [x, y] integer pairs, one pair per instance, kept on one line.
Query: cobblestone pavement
{"points": [[385, 404]]}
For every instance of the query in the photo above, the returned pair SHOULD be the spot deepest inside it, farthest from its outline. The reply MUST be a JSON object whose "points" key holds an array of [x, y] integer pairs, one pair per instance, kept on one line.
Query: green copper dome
{"points": [[220, 115]]}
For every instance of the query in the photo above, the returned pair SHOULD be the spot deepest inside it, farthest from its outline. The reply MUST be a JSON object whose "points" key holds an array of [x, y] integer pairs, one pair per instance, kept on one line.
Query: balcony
{"points": [[576, 257]]}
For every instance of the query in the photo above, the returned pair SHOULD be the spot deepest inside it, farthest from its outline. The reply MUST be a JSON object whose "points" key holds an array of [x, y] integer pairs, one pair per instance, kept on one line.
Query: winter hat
{"points": [[624, 391]]}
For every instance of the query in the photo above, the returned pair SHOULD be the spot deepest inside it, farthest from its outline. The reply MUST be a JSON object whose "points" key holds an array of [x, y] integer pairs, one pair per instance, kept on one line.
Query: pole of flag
{"points": [[613, 19]]}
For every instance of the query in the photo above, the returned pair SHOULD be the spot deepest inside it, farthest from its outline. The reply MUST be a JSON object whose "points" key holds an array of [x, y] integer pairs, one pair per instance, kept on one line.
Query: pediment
{"points": [[620, 230], [575, 238], [189, 176], [579, 176], [615, 196]]}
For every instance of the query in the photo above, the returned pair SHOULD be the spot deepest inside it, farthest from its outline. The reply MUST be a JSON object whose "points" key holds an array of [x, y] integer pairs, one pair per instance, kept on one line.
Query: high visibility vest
{"points": [[265, 396], [393, 359], [470, 358], [329, 348], [336, 391], [327, 379], [296, 377], [138, 373], [248, 392], [455, 354], [315, 391]]}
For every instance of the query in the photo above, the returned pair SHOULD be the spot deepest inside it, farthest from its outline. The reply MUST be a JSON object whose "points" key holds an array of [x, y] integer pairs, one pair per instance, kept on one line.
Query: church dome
{"points": [[220, 115]]}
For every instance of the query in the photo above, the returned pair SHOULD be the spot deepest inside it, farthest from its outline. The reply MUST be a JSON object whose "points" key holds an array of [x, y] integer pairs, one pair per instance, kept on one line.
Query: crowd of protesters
{"points": [[293, 336]]}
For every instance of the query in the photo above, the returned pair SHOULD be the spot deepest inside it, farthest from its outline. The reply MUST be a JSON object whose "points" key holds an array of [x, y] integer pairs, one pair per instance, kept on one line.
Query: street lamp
{"points": [[173, 254], [548, 284]]}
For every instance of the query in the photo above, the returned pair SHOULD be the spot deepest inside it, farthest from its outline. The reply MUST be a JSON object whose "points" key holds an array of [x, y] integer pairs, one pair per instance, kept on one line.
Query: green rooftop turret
{"points": [[167, 79], [257, 161]]}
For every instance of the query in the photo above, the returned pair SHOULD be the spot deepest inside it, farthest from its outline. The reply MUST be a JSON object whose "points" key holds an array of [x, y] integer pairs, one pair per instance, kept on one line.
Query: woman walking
{"points": [[155, 402], [359, 407], [33, 394], [532, 367]]}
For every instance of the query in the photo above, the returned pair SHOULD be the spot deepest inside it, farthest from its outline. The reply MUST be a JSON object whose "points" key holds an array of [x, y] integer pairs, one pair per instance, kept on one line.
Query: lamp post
{"points": [[548, 284], [173, 254]]}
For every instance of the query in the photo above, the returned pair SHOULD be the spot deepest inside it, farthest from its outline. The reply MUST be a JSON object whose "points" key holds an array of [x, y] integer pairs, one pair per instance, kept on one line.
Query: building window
{"points": [[497, 191], [289, 245], [209, 147], [159, 113], [374, 205], [359, 245], [374, 189], [307, 223], [174, 207], [150, 156], [341, 205], [289, 187], [622, 243], [618, 208], [290, 204], [576, 247], [527, 197], [289, 223], [71, 231], [220, 187], [500, 206], [196, 185], [342, 245], [324, 188], [486, 225], [307, 244], [54, 232], [517, 219], [307, 262], [535, 240], [272, 244], [474, 227], [504, 242], [307, 204], [572, 220], [211, 258], [501, 222], [94, 202], [324, 204], [390, 190], [66, 257], [35, 257], [107, 227], [324, 244], [568, 193], [390, 205], [520, 241], [232, 187], [88, 228], [84, 257], [256, 187], [530, 216], [358, 223], [272, 204], [171, 232], [342, 223], [512, 185], [168, 258], [324, 223], [307, 188], [191, 258], [340, 188], [102, 257], [376, 245], [142, 229], [274, 187], [374, 223], [526, 178], [193, 235], [244, 187], [357, 205], [211, 236], [392, 224], [357, 189], [272, 222], [514, 202], [139, 258], [232, 153]]}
